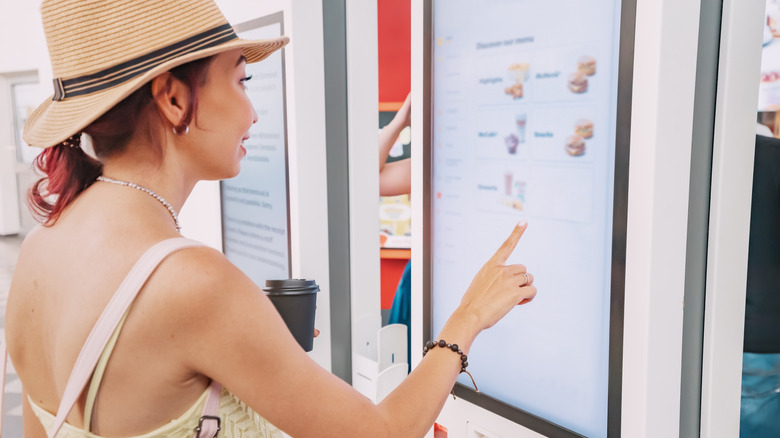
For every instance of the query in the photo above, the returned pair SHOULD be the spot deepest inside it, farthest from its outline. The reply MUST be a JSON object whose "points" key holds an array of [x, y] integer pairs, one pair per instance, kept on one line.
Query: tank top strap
{"points": [[97, 375], [99, 344]]}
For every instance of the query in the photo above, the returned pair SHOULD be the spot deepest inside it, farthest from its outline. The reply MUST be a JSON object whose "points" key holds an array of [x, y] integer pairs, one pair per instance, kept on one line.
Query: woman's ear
{"points": [[171, 96]]}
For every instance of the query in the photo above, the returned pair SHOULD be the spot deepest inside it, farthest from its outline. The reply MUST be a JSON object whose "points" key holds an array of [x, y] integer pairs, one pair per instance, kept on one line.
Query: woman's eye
{"points": [[244, 79]]}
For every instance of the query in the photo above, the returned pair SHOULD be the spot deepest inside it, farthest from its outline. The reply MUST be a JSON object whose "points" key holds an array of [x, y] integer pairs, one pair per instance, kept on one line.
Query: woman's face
{"points": [[223, 118]]}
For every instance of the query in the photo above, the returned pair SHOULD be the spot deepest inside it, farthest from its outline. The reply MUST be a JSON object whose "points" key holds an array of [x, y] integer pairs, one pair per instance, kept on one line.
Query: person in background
{"points": [[396, 179], [760, 407], [201, 350]]}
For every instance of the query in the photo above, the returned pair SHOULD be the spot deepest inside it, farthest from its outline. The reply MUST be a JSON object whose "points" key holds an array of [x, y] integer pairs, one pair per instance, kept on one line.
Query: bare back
{"points": [[65, 276]]}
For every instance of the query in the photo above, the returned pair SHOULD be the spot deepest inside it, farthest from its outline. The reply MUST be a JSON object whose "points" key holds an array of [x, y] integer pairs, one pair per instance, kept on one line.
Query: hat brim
{"points": [[53, 122]]}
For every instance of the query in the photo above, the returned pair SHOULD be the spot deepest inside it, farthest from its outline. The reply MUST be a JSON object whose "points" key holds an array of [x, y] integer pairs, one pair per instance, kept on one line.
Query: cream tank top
{"points": [[237, 419]]}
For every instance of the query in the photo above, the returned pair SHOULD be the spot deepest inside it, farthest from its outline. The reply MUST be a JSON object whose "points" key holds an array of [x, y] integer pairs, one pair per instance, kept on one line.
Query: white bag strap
{"points": [[105, 326]]}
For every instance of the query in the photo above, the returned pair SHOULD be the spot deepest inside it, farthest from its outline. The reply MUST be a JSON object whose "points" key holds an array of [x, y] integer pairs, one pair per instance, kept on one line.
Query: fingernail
{"points": [[523, 222]]}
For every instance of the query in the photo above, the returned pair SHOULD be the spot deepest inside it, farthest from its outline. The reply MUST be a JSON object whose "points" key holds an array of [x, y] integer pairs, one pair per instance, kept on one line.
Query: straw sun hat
{"points": [[103, 50]]}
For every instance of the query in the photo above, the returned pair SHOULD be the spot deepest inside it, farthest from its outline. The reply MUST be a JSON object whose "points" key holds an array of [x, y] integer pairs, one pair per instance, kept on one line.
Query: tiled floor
{"points": [[12, 406]]}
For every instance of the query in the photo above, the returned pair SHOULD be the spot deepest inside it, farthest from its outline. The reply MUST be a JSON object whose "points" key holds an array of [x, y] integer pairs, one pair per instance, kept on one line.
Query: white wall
{"points": [[22, 51], [22, 43]]}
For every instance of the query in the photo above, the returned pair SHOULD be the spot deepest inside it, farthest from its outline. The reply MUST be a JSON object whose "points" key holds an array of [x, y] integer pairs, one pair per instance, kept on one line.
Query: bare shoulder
{"points": [[194, 285], [195, 265], [198, 274]]}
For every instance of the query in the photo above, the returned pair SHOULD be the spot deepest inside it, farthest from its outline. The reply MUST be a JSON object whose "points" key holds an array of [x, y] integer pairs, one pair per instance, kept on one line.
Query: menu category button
{"points": [[488, 134], [489, 81], [548, 75], [543, 134]]}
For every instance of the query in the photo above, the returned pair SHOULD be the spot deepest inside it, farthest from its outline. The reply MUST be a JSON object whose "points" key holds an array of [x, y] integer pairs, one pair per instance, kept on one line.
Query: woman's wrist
{"points": [[461, 328]]}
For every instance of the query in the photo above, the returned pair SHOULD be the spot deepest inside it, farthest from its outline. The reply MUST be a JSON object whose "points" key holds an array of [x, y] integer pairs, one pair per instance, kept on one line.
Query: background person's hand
{"points": [[498, 287], [404, 115]]}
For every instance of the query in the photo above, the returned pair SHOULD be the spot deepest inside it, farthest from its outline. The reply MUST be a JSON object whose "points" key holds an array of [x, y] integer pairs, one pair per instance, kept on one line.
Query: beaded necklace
{"points": [[149, 192]]}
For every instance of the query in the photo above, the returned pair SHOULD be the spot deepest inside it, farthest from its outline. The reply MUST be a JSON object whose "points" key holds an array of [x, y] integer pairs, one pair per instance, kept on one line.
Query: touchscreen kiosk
{"points": [[255, 204], [524, 117]]}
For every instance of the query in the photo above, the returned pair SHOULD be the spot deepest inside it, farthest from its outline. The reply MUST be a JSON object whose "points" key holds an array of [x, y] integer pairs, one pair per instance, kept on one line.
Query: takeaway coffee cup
{"points": [[295, 299]]}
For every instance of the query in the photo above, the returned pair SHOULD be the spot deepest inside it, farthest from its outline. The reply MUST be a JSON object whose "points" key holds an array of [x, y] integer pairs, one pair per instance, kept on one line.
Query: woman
{"points": [[161, 94]]}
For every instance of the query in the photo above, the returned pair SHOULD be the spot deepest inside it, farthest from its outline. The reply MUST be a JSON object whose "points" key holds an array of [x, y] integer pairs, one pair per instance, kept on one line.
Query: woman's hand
{"points": [[498, 287]]}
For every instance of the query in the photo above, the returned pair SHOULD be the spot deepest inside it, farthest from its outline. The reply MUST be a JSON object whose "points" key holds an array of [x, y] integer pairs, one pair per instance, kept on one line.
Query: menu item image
{"points": [[520, 121], [586, 65], [514, 192], [515, 90], [578, 82], [511, 143], [584, 128], [575, 145], [773, 17], [509, 180], [516, 204], [517, 74], [771, 76]]}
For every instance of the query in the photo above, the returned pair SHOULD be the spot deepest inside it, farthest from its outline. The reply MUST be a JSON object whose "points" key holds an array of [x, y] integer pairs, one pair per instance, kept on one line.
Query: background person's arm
{"points": [[389, 134], [396, 178]]}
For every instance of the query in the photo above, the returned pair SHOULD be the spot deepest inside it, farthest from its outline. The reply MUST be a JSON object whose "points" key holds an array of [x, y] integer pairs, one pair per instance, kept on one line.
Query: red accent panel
{"points": [[395, 39], [391, 271]]}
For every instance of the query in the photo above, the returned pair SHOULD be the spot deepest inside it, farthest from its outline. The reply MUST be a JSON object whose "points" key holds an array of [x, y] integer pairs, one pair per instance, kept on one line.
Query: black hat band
{"points": [[118, 74]]}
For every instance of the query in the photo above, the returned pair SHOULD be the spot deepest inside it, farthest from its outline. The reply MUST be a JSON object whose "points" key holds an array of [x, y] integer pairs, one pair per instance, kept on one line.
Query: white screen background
{"points": [[550, 357]]}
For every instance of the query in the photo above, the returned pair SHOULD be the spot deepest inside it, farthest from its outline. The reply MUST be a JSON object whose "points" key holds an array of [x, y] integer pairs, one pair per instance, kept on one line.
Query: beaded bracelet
{"points": [[441, 343]]}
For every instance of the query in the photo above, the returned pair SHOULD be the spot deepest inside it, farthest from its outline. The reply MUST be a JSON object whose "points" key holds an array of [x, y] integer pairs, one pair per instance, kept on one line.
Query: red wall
{"points": [[395, 27]]}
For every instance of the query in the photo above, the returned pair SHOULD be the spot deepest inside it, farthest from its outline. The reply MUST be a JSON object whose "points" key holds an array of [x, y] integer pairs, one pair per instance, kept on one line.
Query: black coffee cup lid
{"points": [[291, 286]]}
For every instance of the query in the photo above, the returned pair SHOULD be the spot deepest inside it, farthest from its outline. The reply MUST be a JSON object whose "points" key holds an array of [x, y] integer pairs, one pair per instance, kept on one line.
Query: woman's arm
{"points": [[226, 328]]}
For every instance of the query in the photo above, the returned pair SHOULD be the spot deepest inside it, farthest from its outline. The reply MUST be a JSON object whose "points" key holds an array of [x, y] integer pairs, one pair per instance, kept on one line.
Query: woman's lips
{"points": [[242, 147]]}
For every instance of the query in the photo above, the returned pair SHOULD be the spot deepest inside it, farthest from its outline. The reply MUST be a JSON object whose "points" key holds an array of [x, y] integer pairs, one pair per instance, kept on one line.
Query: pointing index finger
{"points": [[510, 243]]}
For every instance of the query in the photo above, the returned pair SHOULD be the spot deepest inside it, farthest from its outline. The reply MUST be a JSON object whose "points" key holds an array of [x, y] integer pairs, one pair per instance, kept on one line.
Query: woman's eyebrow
{"points": [[240, 58]]}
